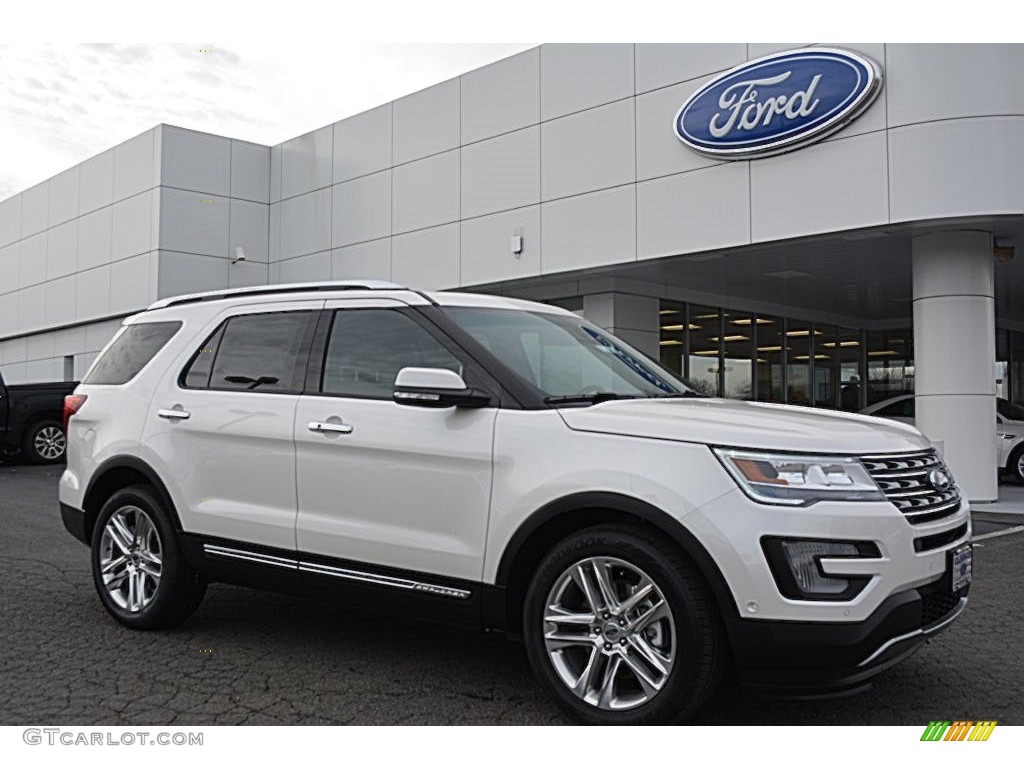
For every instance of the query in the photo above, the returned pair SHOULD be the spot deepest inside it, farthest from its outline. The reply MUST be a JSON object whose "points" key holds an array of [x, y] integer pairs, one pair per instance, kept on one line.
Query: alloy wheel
{"points": [[50, 443], [131, 559], [609, 633]]}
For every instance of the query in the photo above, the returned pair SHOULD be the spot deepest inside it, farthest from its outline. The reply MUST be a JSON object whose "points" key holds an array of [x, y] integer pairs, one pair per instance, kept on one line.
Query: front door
{"points": [[392, 490]]}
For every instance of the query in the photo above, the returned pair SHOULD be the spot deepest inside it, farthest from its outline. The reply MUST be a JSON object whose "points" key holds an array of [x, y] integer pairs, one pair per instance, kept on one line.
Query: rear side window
{"points": [[262, 353], [132, 348]]}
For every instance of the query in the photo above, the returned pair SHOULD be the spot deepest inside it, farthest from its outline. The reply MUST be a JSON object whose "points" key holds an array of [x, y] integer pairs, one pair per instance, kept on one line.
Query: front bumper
{"points": [[813, 659]]}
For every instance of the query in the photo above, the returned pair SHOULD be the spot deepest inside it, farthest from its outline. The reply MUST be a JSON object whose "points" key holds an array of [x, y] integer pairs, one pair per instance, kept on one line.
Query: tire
{"points": [[45, 443], [153, 587], [678, 649], [1015, 464]]}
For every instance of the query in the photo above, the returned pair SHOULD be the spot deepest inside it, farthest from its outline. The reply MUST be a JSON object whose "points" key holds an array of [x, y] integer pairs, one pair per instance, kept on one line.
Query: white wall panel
{"points": [[486, 246], [131, 226], [370, 260], [307, 162], [193, 222], [362, 143], [10, 220], [32, 260], [40, 346], [31, 308], [501, 173], [575, 76], [694, 211], [250, 171], [305, 269], [60, 301], [9, 266], [95, 232], [195, 161], [501, 97], [64, 196], [35, 206], [133, 283], [246, 273], [180, 273], [8, 320], [426, 192], [306, 224], [361, 209], [589, 230], [427, 260], [426, 122], [659, 152], [587, 151], [96, 182], [831, 186], [135, 166], [249, 230], [937, 82], [69, 341], [61, 249], [957, 168], [92, 293], [662, 64]]}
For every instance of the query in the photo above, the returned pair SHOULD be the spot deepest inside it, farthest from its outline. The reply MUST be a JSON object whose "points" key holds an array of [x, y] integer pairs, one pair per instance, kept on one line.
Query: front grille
{"points": [[903, 479]]}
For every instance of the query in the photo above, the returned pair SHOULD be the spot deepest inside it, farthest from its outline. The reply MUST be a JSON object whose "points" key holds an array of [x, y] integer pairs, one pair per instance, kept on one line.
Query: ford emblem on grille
{"points": [[939, 479], [777, 103]]}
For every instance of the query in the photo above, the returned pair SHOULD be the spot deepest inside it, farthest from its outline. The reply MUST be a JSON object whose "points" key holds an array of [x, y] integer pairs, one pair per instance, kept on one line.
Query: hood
{"points": [[763, 426]]}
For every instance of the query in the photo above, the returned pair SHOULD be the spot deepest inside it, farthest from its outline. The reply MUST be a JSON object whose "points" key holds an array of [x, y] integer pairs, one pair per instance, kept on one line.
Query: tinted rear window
{"points": [[132, 348]]}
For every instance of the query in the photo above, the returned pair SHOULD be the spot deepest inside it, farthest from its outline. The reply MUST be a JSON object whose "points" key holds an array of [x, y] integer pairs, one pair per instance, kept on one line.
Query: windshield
{"points": [[566, 357], [1009, 410]]}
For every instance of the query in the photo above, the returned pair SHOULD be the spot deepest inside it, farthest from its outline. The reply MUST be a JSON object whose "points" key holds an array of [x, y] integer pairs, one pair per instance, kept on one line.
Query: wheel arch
{"points": [[557, 519], [120, 472]]}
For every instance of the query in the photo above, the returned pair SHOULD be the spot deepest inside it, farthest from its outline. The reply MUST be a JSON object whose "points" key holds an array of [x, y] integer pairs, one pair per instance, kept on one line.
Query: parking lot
{"points": [[256, 658]]}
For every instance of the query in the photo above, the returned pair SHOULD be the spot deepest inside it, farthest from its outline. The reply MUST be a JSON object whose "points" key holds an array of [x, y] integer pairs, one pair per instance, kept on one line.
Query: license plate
{"points": [[960, 567]]}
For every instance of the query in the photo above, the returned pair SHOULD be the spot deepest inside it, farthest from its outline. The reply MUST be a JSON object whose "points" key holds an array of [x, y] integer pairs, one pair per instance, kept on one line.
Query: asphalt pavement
{"points": [[250, 657]]}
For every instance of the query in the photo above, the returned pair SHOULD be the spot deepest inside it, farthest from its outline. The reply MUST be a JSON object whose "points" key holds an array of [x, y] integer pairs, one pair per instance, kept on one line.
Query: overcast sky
{"points": [[61, 104]]}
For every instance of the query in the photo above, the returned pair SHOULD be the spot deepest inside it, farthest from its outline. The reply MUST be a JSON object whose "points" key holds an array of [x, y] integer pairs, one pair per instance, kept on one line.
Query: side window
{"points": [[260, 352], [368, 347], [129, 352], [900, 408]]}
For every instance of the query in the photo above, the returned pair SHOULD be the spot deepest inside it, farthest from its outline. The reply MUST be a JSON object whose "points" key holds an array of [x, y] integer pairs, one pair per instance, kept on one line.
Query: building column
{"points": [[954, 354], [634, 319]]}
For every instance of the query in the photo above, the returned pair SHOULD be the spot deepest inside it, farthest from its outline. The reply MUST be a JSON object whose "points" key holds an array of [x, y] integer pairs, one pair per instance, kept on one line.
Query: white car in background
{"points": [[1009, 428]]}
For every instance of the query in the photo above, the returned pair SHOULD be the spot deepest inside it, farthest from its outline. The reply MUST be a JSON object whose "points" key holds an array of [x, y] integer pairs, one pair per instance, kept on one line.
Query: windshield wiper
{"points": [[679, 394], [591, 398]]}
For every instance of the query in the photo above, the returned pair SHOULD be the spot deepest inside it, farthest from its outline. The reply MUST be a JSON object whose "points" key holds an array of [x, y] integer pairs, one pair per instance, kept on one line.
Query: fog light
{"points": [[803, 557], [796, 566]]}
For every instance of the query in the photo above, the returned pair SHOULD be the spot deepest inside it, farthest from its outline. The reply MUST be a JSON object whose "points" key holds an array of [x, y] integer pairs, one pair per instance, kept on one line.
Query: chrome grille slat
{"points": [[903, 478]]}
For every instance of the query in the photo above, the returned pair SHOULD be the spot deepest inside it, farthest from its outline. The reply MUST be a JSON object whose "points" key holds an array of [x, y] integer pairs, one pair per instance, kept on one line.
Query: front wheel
{"points": [[45, 443], [138, 568], [1016, 464], [620, 629]]}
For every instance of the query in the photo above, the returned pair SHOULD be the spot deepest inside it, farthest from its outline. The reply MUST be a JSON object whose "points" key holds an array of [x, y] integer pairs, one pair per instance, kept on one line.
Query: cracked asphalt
{"points": [[248, 657]]}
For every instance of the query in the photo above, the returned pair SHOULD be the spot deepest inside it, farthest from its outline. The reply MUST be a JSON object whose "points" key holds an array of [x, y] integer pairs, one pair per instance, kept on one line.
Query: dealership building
{"points": [[827, 226]]}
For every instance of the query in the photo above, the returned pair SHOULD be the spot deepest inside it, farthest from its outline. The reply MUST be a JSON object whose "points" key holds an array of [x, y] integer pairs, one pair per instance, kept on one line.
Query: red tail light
{"points": [[71, 405]]}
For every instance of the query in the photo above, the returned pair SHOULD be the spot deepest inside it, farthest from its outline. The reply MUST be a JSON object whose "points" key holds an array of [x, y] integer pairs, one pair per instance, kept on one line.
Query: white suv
{"points": [[507, 465]]}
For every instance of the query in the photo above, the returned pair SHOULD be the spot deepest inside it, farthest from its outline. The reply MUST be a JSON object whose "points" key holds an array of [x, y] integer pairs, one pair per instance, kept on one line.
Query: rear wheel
{"points": [[45, 443], [620, 629], [1016, 464], [137, 565]]}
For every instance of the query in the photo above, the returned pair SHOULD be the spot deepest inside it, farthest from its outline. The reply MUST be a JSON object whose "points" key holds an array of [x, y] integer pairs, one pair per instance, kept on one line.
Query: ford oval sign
{"points": [[778, 103]]}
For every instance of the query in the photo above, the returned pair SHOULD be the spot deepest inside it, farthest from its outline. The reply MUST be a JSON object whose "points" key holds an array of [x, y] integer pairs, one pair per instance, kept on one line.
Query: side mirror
{"points": [[436, 388]]}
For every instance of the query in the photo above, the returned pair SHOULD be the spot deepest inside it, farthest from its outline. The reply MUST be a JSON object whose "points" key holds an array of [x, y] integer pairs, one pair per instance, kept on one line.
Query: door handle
{"points": [[173, 414], [326, 426]]}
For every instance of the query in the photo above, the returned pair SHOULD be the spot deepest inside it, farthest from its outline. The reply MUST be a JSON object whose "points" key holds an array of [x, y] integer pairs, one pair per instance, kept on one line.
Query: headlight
{"points": [[799, 480]]}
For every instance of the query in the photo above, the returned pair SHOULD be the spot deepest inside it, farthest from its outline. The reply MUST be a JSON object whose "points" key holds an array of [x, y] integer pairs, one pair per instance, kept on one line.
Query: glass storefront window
{"points": [[825, 356], [850, 376], [890, 364], [738, 346], [770, 345], [672, 343], [703, 355], [798, 362]]}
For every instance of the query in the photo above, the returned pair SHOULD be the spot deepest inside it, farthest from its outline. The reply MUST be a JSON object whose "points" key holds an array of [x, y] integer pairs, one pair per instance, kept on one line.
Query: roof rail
{"points": [[264, 290]]}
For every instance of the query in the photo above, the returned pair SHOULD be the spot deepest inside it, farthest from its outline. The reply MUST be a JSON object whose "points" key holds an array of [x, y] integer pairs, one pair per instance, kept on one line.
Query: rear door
{"points": [[396, 486], [222, 427]]}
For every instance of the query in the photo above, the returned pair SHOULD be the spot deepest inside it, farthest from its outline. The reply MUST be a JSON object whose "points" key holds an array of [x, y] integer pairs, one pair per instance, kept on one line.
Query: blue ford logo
{"points": [[777, 103]]}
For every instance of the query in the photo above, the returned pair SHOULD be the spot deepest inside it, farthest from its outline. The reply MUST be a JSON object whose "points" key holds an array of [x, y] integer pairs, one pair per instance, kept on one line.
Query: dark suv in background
{"points": [[31, 420]]}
